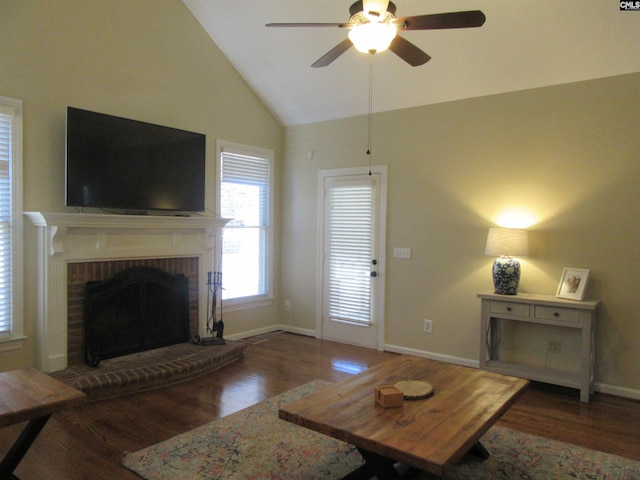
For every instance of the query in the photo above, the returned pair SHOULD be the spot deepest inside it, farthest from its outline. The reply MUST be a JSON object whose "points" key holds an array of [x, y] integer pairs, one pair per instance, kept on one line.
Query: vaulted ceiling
{"points": [[523, 44]]}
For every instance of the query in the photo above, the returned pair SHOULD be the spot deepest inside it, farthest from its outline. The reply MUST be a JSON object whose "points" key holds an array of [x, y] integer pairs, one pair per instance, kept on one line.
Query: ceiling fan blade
{"points": [[294, 25], [436, 21], [408, 52], [332, 54]]}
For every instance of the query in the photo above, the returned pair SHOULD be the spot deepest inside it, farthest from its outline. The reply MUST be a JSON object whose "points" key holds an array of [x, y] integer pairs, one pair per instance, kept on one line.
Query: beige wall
{"points": [[567, 155], [149, 60]]}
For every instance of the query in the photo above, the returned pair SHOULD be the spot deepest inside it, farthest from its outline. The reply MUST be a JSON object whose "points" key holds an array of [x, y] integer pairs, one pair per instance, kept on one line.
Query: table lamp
{"points": [[507, 243]]}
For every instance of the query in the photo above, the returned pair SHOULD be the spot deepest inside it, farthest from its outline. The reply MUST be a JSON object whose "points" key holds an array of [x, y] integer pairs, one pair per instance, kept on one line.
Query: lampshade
{"points": [[372, 37], [507, 242]]}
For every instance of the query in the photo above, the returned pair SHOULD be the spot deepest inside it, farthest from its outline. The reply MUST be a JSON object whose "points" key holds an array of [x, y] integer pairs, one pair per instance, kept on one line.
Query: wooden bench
{"points": [[33, 396]]}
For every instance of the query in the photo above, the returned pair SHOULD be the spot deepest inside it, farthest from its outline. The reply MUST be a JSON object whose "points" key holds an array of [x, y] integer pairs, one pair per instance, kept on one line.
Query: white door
{"points": [[351, 256]]}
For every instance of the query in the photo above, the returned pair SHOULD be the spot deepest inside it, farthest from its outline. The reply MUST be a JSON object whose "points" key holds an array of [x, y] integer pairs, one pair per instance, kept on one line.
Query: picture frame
{"points": [[573, 283]]}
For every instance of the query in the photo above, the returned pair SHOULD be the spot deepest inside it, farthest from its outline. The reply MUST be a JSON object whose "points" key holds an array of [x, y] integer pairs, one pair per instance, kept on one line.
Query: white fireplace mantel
{"points": [[80, 237]]}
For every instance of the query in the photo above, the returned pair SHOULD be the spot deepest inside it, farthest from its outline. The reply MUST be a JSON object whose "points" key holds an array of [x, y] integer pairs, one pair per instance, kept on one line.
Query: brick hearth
{"points": [[149, 370]]}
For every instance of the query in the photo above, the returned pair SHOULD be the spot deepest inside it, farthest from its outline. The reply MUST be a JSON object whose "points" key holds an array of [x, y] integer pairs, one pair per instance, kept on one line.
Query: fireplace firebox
{"points": [[138, 309]]}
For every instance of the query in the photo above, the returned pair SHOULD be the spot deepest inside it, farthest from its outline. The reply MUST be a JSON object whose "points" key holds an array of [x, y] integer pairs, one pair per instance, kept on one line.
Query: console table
{"points": [[535, 310], [30, 395]]}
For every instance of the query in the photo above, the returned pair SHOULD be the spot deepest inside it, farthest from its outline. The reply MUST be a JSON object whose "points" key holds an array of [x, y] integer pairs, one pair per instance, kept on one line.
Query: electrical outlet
{"points": [[427, 326], [555, 346]]}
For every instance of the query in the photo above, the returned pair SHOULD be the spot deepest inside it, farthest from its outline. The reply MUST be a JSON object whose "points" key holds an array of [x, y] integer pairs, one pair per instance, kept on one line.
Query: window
{"points": [[11, 324], [245, 192]]}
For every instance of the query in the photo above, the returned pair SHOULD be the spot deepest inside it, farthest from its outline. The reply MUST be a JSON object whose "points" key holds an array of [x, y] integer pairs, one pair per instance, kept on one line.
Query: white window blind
{"points": [[6, 267], [351, 225], [245, 192]]}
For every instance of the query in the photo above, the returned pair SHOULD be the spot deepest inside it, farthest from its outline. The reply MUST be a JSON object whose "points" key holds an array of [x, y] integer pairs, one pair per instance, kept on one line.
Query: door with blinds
{"points": [[353, 257]]}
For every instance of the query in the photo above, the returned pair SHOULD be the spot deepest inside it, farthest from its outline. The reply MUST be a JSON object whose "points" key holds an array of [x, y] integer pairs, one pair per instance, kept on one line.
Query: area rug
{"points": [[254, 444]]}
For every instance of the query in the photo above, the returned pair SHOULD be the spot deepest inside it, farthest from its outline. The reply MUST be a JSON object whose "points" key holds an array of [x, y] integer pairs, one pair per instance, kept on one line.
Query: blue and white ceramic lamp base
{"points": [[506, 275]]}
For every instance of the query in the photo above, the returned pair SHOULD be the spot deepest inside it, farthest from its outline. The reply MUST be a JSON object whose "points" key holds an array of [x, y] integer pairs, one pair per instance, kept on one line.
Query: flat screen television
{"points": [[118, 163]]}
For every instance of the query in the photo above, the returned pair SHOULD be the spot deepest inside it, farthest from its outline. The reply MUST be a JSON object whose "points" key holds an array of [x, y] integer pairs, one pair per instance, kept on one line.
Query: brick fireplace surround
{"points": [[78, 274], [76, 248]]}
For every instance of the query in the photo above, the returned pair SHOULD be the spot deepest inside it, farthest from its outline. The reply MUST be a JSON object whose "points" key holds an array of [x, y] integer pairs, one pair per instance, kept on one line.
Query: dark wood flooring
{"points": [[89, 441]]}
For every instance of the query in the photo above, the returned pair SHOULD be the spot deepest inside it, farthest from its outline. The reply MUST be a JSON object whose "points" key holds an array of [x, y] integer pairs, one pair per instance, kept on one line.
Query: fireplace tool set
{"points": [[214, 326]]}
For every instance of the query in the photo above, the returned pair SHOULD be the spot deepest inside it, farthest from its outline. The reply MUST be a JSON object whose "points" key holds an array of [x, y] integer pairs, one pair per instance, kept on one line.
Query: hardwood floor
{"points": [[89, 441]]}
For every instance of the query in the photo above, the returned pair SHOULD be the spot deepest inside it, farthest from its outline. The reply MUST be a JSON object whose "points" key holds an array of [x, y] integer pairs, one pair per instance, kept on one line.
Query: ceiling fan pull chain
{"points": [[370, 115]]}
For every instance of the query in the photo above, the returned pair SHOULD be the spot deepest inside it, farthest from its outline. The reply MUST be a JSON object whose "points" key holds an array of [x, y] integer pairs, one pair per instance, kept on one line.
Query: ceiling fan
{"points": [[373, 27]]}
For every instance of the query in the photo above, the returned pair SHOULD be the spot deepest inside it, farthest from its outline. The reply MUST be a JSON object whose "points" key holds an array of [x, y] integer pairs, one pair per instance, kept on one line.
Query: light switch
{"points": [[401, 253]]}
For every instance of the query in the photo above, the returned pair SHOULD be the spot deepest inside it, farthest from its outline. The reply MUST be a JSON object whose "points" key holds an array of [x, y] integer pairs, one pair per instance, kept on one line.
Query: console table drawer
{"points": [[570, 315], [508, 308]]}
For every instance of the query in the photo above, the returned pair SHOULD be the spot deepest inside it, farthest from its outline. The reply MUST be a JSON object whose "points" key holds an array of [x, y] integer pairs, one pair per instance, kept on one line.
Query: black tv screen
{"points": [[118, 163]]}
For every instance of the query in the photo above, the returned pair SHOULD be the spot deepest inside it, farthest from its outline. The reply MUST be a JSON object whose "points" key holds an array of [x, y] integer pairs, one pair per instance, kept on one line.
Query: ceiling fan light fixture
{"points": [[373, 28], [372, 37]]}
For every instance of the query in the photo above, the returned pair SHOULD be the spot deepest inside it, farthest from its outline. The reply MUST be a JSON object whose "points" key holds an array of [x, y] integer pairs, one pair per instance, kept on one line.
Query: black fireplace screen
{"points": [[139, 309]]}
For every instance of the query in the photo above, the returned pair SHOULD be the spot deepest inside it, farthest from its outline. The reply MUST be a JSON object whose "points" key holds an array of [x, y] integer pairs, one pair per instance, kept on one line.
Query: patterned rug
{"points": [[254, 444]]}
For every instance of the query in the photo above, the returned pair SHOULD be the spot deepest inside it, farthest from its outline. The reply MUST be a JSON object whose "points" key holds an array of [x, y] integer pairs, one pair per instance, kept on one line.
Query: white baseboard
{"points": [[617, 391], [614, 390], [465, 362], [300, 331], [271, 329]]}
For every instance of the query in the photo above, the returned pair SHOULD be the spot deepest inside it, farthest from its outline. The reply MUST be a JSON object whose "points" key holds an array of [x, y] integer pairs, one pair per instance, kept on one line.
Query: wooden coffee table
{"points": [[431, 434]]}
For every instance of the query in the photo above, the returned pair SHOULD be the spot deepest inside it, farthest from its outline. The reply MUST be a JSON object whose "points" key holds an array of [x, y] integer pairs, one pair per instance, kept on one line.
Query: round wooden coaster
{"points": [[414, 389]]}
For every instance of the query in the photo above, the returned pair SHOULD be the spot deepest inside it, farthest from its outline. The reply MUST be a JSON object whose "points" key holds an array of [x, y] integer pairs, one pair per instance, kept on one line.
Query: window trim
{"points": [[252, 301], [16, 339]]}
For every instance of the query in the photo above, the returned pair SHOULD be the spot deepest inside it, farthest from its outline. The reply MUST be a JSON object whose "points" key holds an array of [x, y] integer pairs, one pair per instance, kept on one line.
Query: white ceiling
{"points": [[523, 44]]}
